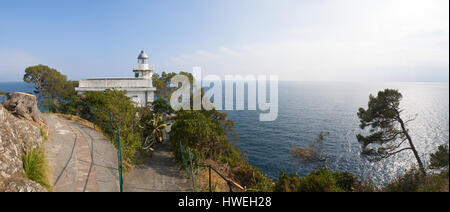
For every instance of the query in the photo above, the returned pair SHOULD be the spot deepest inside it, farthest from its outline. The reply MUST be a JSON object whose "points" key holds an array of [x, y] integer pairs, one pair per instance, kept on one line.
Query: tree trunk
{"points": [[39, 98], [411, 144]]}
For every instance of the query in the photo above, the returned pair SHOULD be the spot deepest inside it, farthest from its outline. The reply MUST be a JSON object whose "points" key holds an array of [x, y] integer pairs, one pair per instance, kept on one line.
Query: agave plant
{"points": [[154, 126], [157, 125], [148, 145]]}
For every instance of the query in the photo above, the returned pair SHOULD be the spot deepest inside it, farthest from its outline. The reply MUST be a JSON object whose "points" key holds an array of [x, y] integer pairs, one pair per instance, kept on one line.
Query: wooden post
{"points": [[210, 186]]}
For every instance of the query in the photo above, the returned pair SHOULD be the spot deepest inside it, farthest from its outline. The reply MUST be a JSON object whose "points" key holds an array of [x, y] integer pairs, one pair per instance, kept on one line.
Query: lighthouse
{"points": [[143, 69], [139, 88]]}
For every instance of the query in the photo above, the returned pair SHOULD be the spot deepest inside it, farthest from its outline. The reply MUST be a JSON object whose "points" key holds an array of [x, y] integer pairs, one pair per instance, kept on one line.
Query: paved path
{"points": [[160, 173], [80, 158]]}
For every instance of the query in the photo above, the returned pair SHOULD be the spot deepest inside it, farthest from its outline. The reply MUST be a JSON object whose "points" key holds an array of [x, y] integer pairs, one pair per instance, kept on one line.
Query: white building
{"points": [[140, 88]]}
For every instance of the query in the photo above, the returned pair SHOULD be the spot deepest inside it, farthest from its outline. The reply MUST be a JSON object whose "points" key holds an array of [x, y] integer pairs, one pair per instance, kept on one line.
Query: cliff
{"points": [[18, 136]]}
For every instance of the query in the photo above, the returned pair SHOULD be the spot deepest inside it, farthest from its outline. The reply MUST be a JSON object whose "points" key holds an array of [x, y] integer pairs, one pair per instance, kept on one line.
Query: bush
{"points": [[414, 181], [205, 133], [322, 180], [161, 106], [96, 108], [440, 159], [35, 167], [252, 178], [198, 132]]}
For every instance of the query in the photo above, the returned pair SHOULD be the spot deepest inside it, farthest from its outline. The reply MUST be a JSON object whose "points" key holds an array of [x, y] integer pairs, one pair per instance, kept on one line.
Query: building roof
{"points": [[143, 55]]}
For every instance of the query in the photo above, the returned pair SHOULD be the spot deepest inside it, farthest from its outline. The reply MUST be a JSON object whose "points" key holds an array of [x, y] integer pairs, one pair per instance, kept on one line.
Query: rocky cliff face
{"points": [[17, 137]]}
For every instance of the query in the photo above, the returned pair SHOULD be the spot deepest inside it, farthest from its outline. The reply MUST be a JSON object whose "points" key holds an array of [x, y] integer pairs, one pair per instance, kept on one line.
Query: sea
{"points": [[308, 108]]}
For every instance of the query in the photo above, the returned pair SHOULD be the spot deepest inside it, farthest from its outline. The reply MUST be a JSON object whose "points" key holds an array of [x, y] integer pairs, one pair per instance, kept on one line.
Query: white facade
{"points": [[140, 88]]}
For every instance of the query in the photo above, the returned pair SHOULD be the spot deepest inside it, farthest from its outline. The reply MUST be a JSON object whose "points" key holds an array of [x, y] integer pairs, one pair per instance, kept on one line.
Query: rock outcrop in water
{"points": [[17, 137]]}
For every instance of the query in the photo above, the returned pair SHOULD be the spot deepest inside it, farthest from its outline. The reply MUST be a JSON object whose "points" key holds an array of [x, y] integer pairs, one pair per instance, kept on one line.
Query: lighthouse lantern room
{"points": [[143, 69]]}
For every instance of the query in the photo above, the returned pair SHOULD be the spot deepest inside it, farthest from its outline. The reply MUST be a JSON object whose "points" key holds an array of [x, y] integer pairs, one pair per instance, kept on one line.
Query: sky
{"points": [[298, 40]]}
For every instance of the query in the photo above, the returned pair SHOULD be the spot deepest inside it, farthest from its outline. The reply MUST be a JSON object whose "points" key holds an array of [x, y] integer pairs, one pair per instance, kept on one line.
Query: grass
{"points": [[35, 166], [3, 93], [217, 183], [44, 134]]}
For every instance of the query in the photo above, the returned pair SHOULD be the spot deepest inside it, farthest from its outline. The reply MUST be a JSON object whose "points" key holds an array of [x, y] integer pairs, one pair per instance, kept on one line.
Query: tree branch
{"points": [[394, 153]]}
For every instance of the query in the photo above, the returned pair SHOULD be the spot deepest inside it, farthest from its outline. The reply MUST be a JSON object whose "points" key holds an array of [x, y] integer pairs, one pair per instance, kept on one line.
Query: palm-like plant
{"points": [[158, 126], [155, 129]]}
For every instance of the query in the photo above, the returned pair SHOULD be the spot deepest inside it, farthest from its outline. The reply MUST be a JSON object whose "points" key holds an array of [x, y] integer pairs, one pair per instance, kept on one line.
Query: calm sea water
{"points": [[306, 109], [15, 86]]}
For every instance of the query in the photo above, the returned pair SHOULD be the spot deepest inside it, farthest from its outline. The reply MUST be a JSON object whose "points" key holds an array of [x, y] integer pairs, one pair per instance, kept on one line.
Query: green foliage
{"points": [[162, 83], [382, 117], [250, 177], [161, 106], [440, 159], [96, 107], [197, 131], [322, 180], [44, 134], [50, 84], [205, 134], [35, 167], [153, 126], [388, 132], [414, 181], [3, 93]]}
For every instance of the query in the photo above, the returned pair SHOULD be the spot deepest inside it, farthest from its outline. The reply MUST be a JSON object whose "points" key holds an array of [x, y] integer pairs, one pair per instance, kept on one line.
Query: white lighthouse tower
{"points": [[143, 69]]}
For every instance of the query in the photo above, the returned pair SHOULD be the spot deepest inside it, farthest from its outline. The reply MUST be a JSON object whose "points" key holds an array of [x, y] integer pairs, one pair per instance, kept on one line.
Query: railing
{"points": [[188, 160], [115, 138], [144, 67], [230, 183]]}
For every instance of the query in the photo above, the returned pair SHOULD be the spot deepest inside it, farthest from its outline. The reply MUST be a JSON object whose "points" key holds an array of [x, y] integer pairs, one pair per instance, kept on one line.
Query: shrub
{"points": [[35, 167], [198, 132], [440, 159], [161, 106], [97, 106], [414, 181], [322, 180], [252, 178], [205, 133]]}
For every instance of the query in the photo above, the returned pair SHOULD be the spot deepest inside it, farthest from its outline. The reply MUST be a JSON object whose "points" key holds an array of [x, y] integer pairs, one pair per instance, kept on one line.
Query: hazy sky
{"points": [[299, 40]]}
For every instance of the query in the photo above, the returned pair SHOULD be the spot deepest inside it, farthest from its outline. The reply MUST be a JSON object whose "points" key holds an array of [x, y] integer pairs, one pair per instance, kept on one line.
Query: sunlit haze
{"points": [[299, 40]]}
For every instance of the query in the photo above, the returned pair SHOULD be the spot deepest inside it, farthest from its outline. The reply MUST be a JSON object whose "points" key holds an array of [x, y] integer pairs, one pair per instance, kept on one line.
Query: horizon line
{"points": [[317, 81]]}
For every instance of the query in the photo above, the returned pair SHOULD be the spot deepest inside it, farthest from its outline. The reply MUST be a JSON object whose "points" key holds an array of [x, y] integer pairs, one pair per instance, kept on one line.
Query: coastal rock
{"points": [[17, 137], [24, 105], [20, 185]]}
